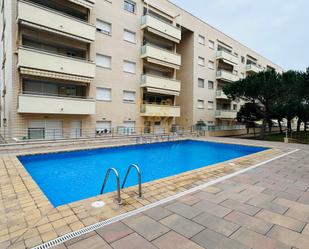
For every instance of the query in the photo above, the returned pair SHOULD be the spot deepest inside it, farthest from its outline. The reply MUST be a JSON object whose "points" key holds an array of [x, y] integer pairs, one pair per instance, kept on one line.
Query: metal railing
{"points": [[37, 134], [139, 178], [118, 183]]}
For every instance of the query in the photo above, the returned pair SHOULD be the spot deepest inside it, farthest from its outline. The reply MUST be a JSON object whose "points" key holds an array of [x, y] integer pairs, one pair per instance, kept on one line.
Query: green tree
{"points": [[261, 88], [249, 113]]}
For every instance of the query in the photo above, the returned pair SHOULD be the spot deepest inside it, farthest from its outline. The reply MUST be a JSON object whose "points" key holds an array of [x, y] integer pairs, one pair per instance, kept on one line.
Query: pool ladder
{"points": [[119, 201]]}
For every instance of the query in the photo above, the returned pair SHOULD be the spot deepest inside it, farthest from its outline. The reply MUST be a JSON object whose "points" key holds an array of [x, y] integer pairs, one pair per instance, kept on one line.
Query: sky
{"points": [[276, 29]]}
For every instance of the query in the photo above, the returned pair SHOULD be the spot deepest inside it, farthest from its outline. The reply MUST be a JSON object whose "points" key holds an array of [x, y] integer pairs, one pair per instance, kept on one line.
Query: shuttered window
{"points": [[103, 27], [201, 39], [200, 104], [129, 67], [129, 36], [129, 96], [103, 94], [201, 61], [103, 61]]}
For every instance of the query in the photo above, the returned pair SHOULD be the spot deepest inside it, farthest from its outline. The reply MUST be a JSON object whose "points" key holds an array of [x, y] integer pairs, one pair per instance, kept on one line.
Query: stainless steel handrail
{"points": [[139, 178], [118, 183]]}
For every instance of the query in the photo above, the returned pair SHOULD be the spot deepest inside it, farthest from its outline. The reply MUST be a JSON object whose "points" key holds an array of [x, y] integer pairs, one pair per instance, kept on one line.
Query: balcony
{"points": [[220, 95], [227, 58], [159, 84], [251, 68], [226, 76], [153, 110], [86, 3], [161, 56], [53, 21], [47, 62], [55, 105], [225, 114], [161, 28]]}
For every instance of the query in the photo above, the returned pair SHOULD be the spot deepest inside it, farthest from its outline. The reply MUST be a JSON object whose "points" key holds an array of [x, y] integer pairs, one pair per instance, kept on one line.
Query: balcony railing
{"points": [[41, 104], [41, 60], [154, 110], [227, 76], [161, 56], [251, 68], [220, 95], [227, 57], [226, 114], [159, 27], [160, 84], [55, 21], [86, 3]]}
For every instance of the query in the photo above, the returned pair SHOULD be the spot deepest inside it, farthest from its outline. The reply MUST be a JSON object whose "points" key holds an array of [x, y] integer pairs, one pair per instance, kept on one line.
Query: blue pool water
{"points": [[72, 176]]}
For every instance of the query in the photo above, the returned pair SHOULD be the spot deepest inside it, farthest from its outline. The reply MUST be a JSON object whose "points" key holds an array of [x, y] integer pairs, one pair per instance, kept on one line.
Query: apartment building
{"points": [[75, 68]]}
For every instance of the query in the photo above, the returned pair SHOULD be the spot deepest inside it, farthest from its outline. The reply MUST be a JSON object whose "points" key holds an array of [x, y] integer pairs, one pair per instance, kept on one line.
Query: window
{"points": [[234, 107], [129, 96], [201, 61], [242, 75], [45, 129], [211, 44], [103, 127], [201, 83], [235, 72], [211, 65], [103, 61], [104, 27], [201, 39], [210, 85], [129, 67], [242, 59], [210, 105], [200, 104], [104, 94], [129, 36], [128, 128], [129, 6]]}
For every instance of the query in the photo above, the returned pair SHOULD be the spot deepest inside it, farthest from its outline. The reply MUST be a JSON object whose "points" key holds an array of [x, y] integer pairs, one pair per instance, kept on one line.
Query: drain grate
{"points": [[98, 225]]}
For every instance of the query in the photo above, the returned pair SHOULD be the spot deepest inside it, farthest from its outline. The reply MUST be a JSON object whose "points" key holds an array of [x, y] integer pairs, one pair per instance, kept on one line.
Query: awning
{"points": [[37, 26], [54, 75], [229, 62], [163, 9], [85, 3], [162, 91]]}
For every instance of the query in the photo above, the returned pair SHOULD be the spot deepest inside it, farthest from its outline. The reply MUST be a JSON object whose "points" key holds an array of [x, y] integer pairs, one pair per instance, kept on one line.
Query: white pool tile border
{"points": [[120, 217]]}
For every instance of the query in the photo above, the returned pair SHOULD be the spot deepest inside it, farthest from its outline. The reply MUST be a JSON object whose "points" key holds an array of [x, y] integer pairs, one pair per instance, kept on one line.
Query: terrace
{"points": [[234, 204]]}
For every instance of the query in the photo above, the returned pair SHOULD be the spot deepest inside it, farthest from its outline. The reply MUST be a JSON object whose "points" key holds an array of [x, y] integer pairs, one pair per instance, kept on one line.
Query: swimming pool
{"points": [[71, 176]]}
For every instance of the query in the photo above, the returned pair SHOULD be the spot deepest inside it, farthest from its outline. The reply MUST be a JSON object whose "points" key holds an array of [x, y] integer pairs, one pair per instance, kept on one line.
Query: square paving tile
{"points": [[216, 224], [173, 240], [184, 210], [114, 231], [145, 226], [182, 225], [133, 241]]}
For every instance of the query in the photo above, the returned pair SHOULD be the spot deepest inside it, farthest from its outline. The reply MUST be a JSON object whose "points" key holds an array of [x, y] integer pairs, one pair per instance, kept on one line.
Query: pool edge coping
{"points": [[66, 237]]}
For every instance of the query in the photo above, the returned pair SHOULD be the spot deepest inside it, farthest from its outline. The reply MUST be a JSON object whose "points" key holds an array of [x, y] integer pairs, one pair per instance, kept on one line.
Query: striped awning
{"points": [[162, 91], [37, 26], [88, 4], [54, 75]]}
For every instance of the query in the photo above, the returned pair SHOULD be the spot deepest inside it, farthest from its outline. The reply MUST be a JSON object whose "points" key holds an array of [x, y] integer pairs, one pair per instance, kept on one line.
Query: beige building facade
{"points": [[77, 68]]}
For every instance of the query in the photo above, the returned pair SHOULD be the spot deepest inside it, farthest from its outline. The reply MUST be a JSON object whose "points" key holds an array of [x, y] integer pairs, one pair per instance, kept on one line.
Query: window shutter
{"points": [[103, 94], [128, 96], [129, 67], [129, 36], [103, 60], [103, 27]]}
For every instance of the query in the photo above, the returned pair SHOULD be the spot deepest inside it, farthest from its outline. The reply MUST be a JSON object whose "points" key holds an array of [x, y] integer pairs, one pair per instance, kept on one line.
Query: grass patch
{"points": [[302, 137]]}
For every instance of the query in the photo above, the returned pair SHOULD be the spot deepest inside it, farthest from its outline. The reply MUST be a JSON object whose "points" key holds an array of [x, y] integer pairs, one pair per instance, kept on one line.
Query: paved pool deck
{"points": [[265, 207]]}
